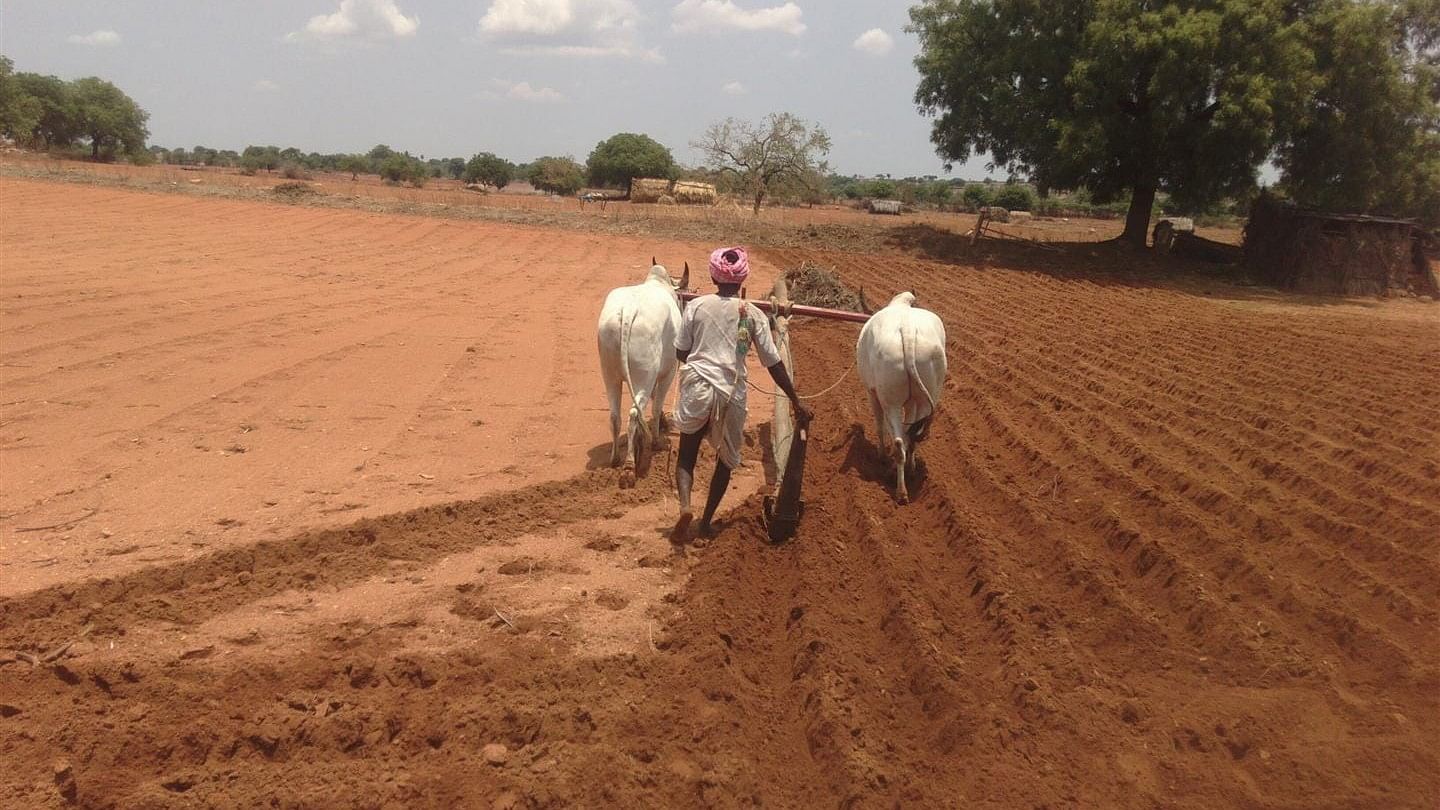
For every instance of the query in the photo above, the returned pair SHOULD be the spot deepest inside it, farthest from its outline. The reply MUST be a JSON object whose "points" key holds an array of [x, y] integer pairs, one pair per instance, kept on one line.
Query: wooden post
{"points": [[782, 429]]}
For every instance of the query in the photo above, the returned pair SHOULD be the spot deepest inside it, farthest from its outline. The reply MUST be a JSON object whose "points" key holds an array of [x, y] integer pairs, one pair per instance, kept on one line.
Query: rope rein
{"points": [[832, 386]]}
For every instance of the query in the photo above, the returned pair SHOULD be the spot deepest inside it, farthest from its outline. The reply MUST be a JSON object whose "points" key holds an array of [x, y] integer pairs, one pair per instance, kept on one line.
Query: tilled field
{"points": [[1172, 549]]}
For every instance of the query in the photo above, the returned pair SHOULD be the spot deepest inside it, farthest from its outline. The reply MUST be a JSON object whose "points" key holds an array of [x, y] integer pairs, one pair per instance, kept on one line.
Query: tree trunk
{"points": [[94, 148], [1137, 219], [759, 197]]}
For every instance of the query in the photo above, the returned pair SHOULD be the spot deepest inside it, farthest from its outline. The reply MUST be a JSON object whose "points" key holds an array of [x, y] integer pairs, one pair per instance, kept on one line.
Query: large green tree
{"points": [[487, 169], [1370, 138], [19, 112], [557, 175], [767, 156], [59, 120], [108, 117], [1115, 96], [624, 156]]}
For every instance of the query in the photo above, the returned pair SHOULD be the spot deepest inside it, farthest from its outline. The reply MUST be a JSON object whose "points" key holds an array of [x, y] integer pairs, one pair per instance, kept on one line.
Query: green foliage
{"points": [[379, 154], [260, 157], [401, 168], [354, 164], [763, 157], [111, 119], [557, 175], [489, 170], [977, 195], [59, 119], [627, 155], [1371, 139], [19, 112], [455, 167], [1184, 95], [1015, 197]]}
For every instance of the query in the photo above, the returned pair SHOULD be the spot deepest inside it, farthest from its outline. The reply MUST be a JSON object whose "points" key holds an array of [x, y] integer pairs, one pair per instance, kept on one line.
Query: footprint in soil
{"points": [[603, 543], [520, 566]]}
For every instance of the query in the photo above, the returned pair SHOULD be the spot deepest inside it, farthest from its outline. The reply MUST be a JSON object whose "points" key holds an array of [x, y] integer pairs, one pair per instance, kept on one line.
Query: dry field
{"points": [[303, 507]]}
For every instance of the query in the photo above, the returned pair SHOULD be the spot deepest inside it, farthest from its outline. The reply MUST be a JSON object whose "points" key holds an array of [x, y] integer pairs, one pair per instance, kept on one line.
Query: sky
{"points": [[520, 78]]}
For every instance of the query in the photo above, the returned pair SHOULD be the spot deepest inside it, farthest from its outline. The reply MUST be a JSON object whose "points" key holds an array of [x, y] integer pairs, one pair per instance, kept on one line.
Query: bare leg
{"points": [[685, 479], [719, 483]]}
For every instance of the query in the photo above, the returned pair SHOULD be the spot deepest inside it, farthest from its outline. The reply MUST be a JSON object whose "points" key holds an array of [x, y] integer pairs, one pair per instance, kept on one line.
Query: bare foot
{"points": [[682, 527], [705, 529]]}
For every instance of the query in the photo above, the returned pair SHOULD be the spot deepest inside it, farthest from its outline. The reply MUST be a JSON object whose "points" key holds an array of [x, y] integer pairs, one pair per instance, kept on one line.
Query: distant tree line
{"points": [[48, 112]]}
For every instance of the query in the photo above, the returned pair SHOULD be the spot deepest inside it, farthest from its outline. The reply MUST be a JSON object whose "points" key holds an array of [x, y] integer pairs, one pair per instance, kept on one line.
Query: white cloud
{"points": [[360, 19], [874, 42], [568, 28], [733, 89], [266, 86], [103, 37], [521, 91], [707, 15]]}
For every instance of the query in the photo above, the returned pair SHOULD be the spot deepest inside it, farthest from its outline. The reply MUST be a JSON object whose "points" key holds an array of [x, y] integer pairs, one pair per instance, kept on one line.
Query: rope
{"points": [[832, 387]]}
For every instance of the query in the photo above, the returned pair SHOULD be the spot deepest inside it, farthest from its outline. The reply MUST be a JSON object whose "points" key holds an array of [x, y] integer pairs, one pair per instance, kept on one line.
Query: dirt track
{"points": [[1173, 549]]}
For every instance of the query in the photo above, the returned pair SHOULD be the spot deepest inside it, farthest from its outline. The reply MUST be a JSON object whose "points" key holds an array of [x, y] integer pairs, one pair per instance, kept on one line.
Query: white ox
{"points": [[901, 358], [636, 334]]}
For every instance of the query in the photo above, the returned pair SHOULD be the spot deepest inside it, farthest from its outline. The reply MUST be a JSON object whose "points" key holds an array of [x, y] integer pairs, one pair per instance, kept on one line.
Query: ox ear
{"points": [[653, 262], [685, 277], [865, 305]]}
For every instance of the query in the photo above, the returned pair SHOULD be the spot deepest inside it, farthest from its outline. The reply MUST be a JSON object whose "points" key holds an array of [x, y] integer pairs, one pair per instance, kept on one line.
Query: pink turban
{"points": [[729, 265]]}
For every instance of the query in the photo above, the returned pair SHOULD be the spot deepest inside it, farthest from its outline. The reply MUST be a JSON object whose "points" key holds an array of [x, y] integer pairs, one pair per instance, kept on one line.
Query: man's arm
{"points": [[782, 381]]}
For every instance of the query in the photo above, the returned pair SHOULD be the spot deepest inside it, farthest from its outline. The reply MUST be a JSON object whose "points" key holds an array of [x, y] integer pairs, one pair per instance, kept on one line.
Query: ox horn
{"points": [[685, 277], [865, 305]]}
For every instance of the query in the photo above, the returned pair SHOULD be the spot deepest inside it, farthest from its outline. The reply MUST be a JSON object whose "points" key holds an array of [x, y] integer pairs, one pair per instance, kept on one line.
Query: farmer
{"points": [[716, 332]]}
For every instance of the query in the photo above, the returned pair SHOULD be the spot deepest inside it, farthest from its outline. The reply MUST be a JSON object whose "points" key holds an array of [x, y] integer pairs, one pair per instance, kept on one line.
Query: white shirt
{"points": [[710, 332]]}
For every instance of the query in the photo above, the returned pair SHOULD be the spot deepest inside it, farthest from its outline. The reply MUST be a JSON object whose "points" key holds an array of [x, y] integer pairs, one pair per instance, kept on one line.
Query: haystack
{"points": [[691, 193], [1335, 254], [815, 285], [648, 189], [885, 207]]}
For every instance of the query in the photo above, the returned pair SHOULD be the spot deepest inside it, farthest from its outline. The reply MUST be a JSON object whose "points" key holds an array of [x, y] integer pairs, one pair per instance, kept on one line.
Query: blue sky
{"points": [[521, 78]]}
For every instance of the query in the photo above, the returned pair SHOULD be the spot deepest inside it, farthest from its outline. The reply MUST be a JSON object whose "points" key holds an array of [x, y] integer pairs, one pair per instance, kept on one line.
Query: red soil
{"points": [[1173, 548]]}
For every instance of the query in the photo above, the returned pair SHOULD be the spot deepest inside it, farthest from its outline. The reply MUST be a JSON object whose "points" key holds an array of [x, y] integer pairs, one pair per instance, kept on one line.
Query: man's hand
{"points": [[803, 415]]}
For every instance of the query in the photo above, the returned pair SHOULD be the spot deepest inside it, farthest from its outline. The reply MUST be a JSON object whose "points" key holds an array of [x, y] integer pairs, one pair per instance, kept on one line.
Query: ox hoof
{"points": [[627, 479]]}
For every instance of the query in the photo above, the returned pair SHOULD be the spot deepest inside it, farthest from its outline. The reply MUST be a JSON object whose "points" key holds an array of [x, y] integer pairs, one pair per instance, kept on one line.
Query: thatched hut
{"points": [[687, 192], [1336, 254], [648, 189]]}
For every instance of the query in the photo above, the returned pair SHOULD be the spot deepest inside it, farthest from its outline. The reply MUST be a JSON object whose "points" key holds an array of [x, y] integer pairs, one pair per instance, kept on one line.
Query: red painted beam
{"points": [[796, 309]]}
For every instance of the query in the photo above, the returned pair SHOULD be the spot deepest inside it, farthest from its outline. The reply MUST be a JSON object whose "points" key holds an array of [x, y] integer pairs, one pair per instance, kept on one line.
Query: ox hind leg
{"points": [[895, 438], [637, 461], [617, 446]]}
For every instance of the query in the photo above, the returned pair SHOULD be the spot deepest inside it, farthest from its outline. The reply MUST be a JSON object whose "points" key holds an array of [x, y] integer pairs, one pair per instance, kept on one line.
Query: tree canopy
{"points": [[1122, 95], [763, 157], [108, 117], [618, 159], [1369, 141], [489, 170], [557, 175]]}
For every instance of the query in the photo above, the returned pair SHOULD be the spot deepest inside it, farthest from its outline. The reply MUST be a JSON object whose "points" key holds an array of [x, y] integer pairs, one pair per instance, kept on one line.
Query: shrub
{"points": [[976, 196], [293, 171], [292, 189], [557, 175], [1015, 197]]}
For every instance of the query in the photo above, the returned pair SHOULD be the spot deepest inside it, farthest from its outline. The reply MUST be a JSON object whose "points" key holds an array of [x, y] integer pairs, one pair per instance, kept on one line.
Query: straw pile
{"points": [[692, 193], [815, 285], [648, 189]]}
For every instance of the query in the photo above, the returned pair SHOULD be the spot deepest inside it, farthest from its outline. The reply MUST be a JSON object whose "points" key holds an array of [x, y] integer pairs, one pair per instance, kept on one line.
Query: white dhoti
{"points": [[700, 402]]}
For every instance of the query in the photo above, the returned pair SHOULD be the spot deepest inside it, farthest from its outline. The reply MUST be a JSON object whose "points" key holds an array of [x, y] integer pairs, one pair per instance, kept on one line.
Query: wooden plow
{"points": [[784, 507], [983, 227]]}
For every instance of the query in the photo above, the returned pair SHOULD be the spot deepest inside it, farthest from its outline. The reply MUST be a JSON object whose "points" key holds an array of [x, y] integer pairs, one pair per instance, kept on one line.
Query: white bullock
{"points": [[901, 358], [636, 334]]}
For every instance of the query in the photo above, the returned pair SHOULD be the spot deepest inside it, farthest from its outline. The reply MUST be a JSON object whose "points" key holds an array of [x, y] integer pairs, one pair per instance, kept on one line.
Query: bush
{"points": [[400, 168], [292, 189], [976, 196], [293, 171], [1015, 197]]}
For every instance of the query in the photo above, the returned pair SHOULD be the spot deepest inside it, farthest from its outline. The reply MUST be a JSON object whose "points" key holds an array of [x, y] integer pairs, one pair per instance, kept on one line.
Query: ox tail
{"points": [[637, 415], [920, 428]]}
